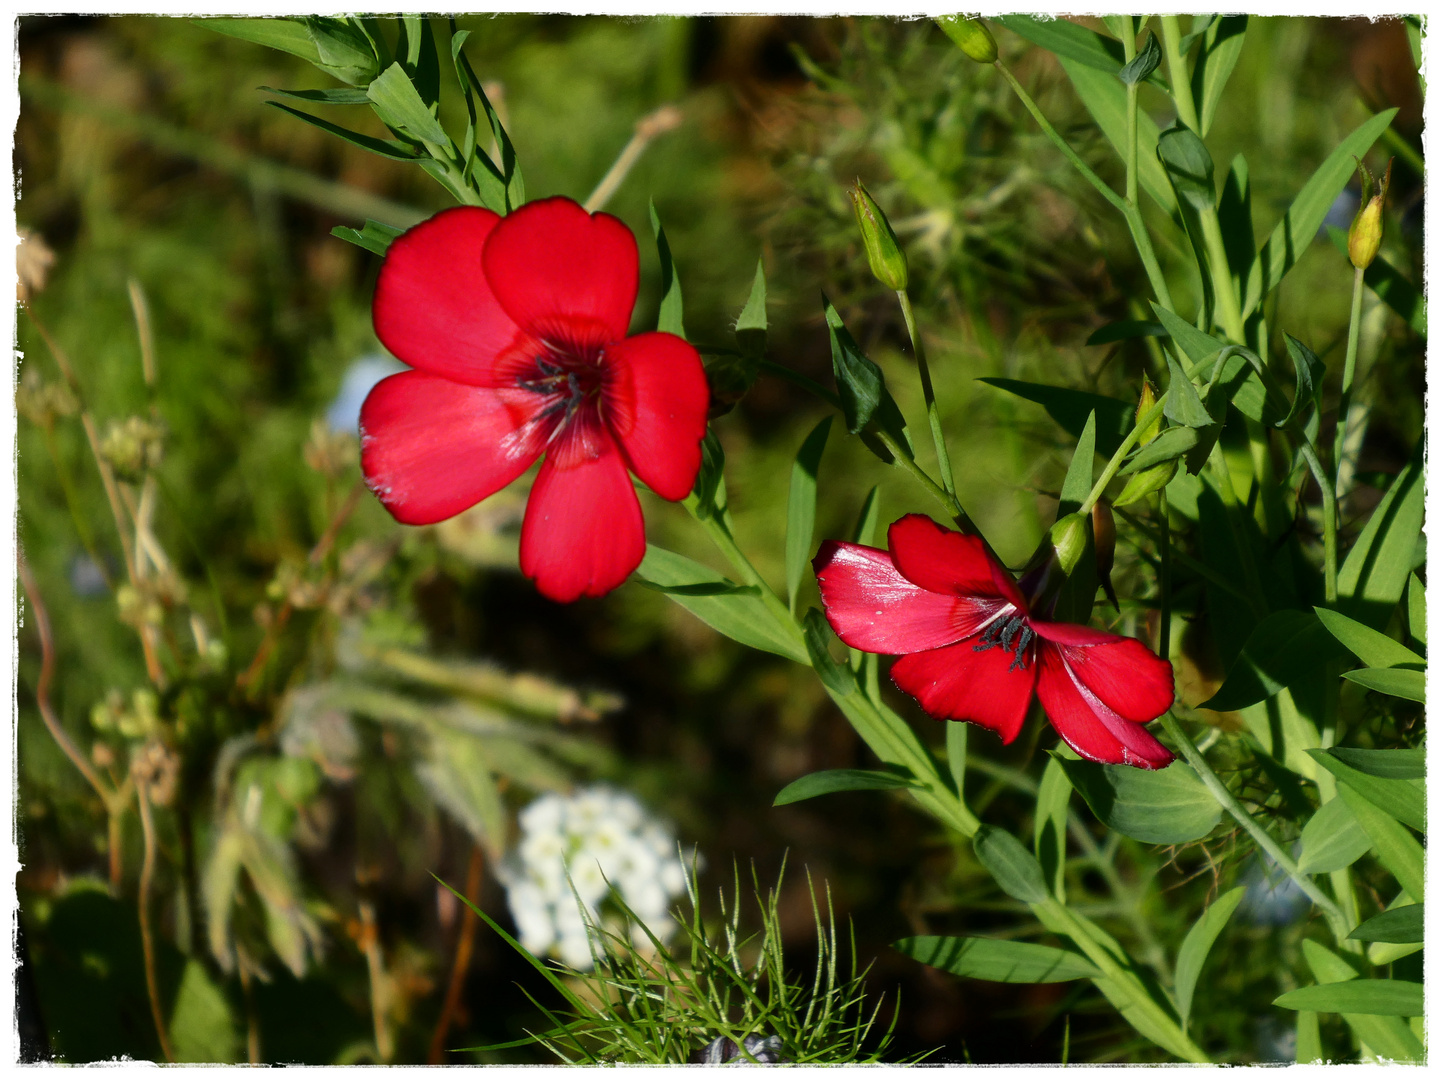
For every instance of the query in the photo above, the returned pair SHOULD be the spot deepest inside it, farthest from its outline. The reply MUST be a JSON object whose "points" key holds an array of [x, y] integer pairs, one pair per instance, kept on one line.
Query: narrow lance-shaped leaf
{"points": [[1399, 925], [1377, 568], [1402, 799], [837, 677], [833, 780], [1368, 997], [1407, 683], [1285, 648], [1224, 38], [1415, 609], [800, 525], [672, 307], [1397, 850], [1387, 1036], [998, 960], [1183, 406], [1309, 372], [288, 34], [397, 102], [1388, 764], [1014, 869], [1389, 284], [1052, 807], [1370, 647], [1079, 478], [1189, 166], [375, 236], [1332, 839], [388, 148], [752, 325], [1197, 945]]}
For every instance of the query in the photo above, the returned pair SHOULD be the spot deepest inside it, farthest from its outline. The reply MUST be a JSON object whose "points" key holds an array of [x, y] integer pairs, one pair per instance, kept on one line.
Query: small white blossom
{"points": [[593, 842]]}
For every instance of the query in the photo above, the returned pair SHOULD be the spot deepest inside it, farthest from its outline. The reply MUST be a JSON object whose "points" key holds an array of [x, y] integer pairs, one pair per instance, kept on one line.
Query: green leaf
{"points": [[869, 519], [859, 380], [1375, 572], [1397, 850], [1013, 868], [1388, 764], [1079, 478], [1104, 97], [671, 305], [1297, 228], [1196, 947], [1309, 372], [1163, 806], [1052, 809], [1408, 683], [997, 960], [1388, 283], [288, 34], [752, 325], [1237, 226], [1385, 1035], [1196, 345], [832, 780], [1183, 405], [500, 186], [420, 59], [1125, 330], [1369, 997], [1371, 647], [345, 51], [1189, 166], [1286, 648], [375, 236], [1070, 40], [1224, 39], [389, 148], [742, 617], [1332, 839], [1071, 409], [1415, 609], [1399, 926], [1147, 59], [1402, 799], [456, 770], [1167, 446], [800, 527], [836, 677], [338, 96], [202, 1028], [399, 104], [709, 492]]}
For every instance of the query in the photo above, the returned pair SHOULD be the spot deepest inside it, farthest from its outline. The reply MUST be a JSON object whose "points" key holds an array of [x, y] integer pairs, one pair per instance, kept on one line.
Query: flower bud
{"points": [[1368, 228], [887, 261], [972, 37], [1147, 402], [1102, 523], [1069, 537]]}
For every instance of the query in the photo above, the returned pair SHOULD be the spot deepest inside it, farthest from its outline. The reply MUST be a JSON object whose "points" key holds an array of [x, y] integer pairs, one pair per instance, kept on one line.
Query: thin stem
{"points": [[1327, 496], [720, 535], [379, 996], [1352, 349], [1179, 73], [1132, 109], [147, 943], [1242, 817], [463, 949], [802, 381], [942, 455], [1113, 466], [1164, 576], [666, 118], [948, 501]]}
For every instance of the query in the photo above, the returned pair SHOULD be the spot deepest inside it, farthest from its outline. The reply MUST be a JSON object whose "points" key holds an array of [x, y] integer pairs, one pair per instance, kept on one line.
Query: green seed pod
{"points": [[887, 260], [972, 37], [1368, 228]]}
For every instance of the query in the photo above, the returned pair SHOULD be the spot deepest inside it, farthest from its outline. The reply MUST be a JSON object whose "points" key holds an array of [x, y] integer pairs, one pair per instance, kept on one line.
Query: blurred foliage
{"points": [[348, 706]]}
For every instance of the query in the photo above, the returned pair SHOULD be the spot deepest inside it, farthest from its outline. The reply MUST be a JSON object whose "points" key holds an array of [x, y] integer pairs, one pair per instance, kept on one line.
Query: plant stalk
{"points": [[1113, 465], [1327, 496], [942, 455], [1352, 349], [147, 943]]}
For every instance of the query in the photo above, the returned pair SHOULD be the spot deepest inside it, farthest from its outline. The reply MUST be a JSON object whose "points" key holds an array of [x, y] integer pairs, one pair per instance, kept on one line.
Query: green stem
{"points": [[1132, 109], [1352, 348], [1242, 817], [802, 381], [719, 534], [1164, 576], [1327, 496], [1195, 565], [942, 455], [904, 458], [1130, 210], [1113, 466], [1179, 73]]}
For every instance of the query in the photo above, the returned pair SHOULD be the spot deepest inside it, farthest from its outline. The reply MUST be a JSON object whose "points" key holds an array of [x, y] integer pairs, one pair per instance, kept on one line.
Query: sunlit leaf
{"points": [[833, 780], [1161, 806], [998, 960]]}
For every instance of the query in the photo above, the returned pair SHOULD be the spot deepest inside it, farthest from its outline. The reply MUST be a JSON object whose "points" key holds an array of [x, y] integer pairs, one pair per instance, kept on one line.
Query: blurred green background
{"points": [[145, 152]]}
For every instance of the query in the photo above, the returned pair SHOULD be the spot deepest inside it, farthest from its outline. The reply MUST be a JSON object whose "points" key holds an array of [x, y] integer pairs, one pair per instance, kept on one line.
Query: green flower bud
{"points": [[887, 261], [1068, 537], [1147, 482], [1368, 228], [1147, 402], [972, 37]]}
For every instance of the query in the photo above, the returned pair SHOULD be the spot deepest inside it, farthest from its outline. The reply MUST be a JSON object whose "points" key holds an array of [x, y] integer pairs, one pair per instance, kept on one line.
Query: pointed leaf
{"points": [[837, 677], [998, 960], [1387, 764], [832, 780], [1401, 799], [1183, 405], [1224, 39], [1415, 609], [1052, 810], [388, 148], [1071, 409], [1147, 59], [1408, 683], [1309, 372], [399, 104], [1189, 166], [1010, 864], [1399, 926], [800, 526], [1370, 997], [1387, 283], [1332, 839], [869, 519], [672, 307], [1370, 647], [1170, 444], [751, 326], [1398, 851], [288, 34], [1166, 806], [1197, 945], [348, 95], [1385, 1035], [1080, 477], [1126, 330], [1377, 568], [375, 236]]}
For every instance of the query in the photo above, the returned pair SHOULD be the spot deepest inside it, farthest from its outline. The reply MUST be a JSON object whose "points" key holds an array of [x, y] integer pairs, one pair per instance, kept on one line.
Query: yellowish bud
{"points": [[972, 37], [1368, 228], [887, 260], [1147, 402]]}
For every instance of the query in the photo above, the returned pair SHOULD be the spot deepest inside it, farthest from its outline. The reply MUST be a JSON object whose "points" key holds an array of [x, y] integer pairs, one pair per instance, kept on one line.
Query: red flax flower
{"points": [[972, 648], [516, 330]]}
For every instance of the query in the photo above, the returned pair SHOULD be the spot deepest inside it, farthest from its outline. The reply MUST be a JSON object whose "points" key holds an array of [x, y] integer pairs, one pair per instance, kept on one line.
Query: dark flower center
{"points": [[1010, 633]]}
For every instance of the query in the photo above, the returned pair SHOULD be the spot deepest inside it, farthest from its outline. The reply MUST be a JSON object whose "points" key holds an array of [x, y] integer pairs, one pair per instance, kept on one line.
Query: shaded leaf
{"points": [[1170, 444], [997, 960], [1189, 166], [288, 34], [832, 780], [1389, 284], [202, 1028], [1197, 945], [1389, 764], [1309, 372], [1285, 648], [1332, 839], [1402, 799], [1163, 806], [1400, 925], [1014, 869], [1398, 851], [398, 103], [1052, 806], [1374, 574], [800, 524], [1147, 59], [1126, 330], [1183, 406], [1224, 39], [672, 307], [337, 96], [836, 677], [1370, 997], [752, 325], [1385, 1035]]}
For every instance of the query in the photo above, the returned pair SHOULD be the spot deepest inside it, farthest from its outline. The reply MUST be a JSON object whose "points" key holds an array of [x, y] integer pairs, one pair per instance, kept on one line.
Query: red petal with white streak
{"points": [[945, 561], [430, 448], [583, 532], [435, 310], [1092, 728], [1120, 671], [872, 608], [958, 683], [654, 402]]}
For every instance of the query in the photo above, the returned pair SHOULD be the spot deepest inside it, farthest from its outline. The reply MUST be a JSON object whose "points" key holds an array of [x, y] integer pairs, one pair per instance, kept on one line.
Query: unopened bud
{"points": [[1068, 538], [1147, 482], [972, 37], [1102, 523], [1147, 402], [887, 260], [1368, 228]]}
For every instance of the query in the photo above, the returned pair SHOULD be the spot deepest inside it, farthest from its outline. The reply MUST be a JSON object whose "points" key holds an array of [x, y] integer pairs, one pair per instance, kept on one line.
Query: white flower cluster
{"points": [[596, 835]]}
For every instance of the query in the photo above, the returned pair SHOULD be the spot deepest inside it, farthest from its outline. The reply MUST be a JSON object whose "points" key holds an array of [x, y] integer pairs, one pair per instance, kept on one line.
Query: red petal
{"points": [[430, 448], [1120, 671], [945, 561], [873, 608], [434, 308], [958, 683], [1085, 722], [655, 400], [566, 276], [583, 532]]}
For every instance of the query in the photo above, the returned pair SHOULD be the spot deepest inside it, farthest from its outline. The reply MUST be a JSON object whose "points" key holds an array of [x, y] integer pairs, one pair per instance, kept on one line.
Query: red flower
{"points": [[970, 648], [516, 330]]}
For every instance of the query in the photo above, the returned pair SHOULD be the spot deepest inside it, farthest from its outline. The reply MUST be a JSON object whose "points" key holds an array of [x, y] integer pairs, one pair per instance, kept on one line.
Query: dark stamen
{"points": [[1012, 634]]}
